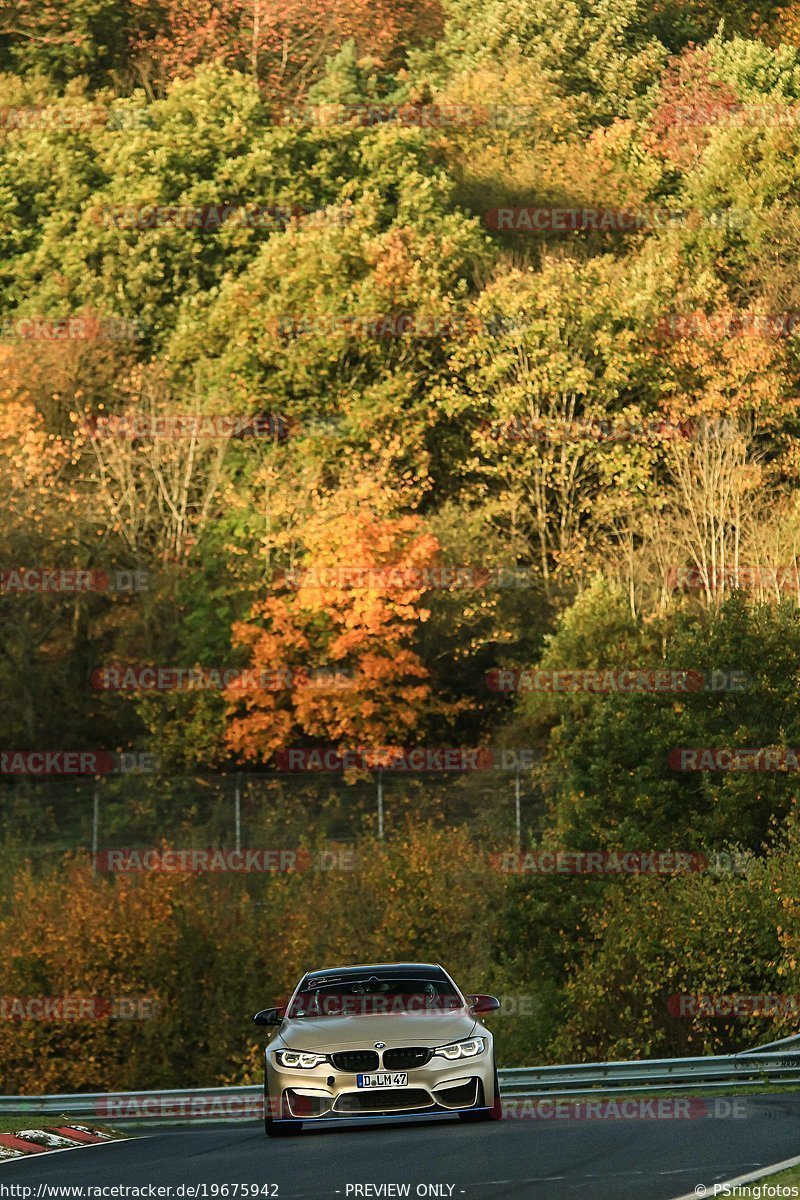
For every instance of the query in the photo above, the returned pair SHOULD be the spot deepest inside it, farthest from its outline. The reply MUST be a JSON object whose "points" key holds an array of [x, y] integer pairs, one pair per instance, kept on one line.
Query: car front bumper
{"points": [[323, 1092]]}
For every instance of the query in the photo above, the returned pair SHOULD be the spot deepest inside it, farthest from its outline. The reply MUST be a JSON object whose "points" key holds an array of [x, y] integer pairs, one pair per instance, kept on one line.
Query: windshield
{"points": [[373, 995]]}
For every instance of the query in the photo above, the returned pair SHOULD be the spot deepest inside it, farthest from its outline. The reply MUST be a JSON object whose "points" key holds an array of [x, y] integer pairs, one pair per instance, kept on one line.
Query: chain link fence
{"points": [[43, 818]]}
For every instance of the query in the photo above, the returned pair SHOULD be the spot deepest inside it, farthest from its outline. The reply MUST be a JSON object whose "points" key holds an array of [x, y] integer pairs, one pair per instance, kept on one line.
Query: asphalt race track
{"points": [[539, 1159]]}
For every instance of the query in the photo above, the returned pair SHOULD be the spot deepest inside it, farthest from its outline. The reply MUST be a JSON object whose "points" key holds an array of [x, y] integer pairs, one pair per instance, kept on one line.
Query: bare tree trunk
{"points": [[714, 481], [256, 39]]}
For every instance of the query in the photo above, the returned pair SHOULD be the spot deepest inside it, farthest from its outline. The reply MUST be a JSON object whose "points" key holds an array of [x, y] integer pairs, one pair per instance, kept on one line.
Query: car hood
{"points": [[328, 1034]]}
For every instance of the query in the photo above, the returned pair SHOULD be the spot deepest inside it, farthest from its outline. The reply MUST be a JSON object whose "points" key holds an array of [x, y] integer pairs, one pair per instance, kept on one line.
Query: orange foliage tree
{"points": [[733, 365], [331, 622], [282, 44], [692, 101]]}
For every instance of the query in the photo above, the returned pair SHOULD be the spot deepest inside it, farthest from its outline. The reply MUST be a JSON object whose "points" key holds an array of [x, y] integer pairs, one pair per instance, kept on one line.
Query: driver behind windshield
{"points": [[374, 996]]}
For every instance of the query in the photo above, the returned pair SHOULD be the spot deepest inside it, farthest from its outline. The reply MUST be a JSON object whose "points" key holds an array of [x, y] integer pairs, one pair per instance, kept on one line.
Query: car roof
{"points": [[387, 970]]}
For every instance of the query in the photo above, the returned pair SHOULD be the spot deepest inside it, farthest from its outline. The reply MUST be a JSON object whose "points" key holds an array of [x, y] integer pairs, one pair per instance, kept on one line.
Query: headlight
{"points": [[298, 1058], [463, 1049]]}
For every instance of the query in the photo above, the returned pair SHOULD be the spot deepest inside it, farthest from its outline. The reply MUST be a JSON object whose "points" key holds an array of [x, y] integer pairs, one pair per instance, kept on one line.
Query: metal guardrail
{"points": [[749, 1068], [795, 1037]]}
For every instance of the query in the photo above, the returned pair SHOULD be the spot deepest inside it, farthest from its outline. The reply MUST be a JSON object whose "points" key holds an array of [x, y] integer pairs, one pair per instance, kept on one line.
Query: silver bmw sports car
{"points": [[376, 1041]]}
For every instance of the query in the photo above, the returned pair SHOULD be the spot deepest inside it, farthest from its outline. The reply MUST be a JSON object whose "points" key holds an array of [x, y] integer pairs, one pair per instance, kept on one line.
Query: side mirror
{"points": [[270, 1016], [483, 1004]]}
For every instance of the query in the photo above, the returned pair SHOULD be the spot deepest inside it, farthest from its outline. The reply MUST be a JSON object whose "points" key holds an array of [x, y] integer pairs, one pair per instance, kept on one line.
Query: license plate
{"points": [[385, 1079]]}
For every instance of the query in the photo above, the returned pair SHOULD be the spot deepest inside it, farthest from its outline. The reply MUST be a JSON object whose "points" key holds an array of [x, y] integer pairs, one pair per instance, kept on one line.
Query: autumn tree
{"points": [[65, 39], [282, 46], [326, 620], [692, 101]]}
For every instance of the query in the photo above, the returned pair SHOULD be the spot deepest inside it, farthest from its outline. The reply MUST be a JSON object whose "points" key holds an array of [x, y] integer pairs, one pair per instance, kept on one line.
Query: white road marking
{"points": [[753, 1177]]}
